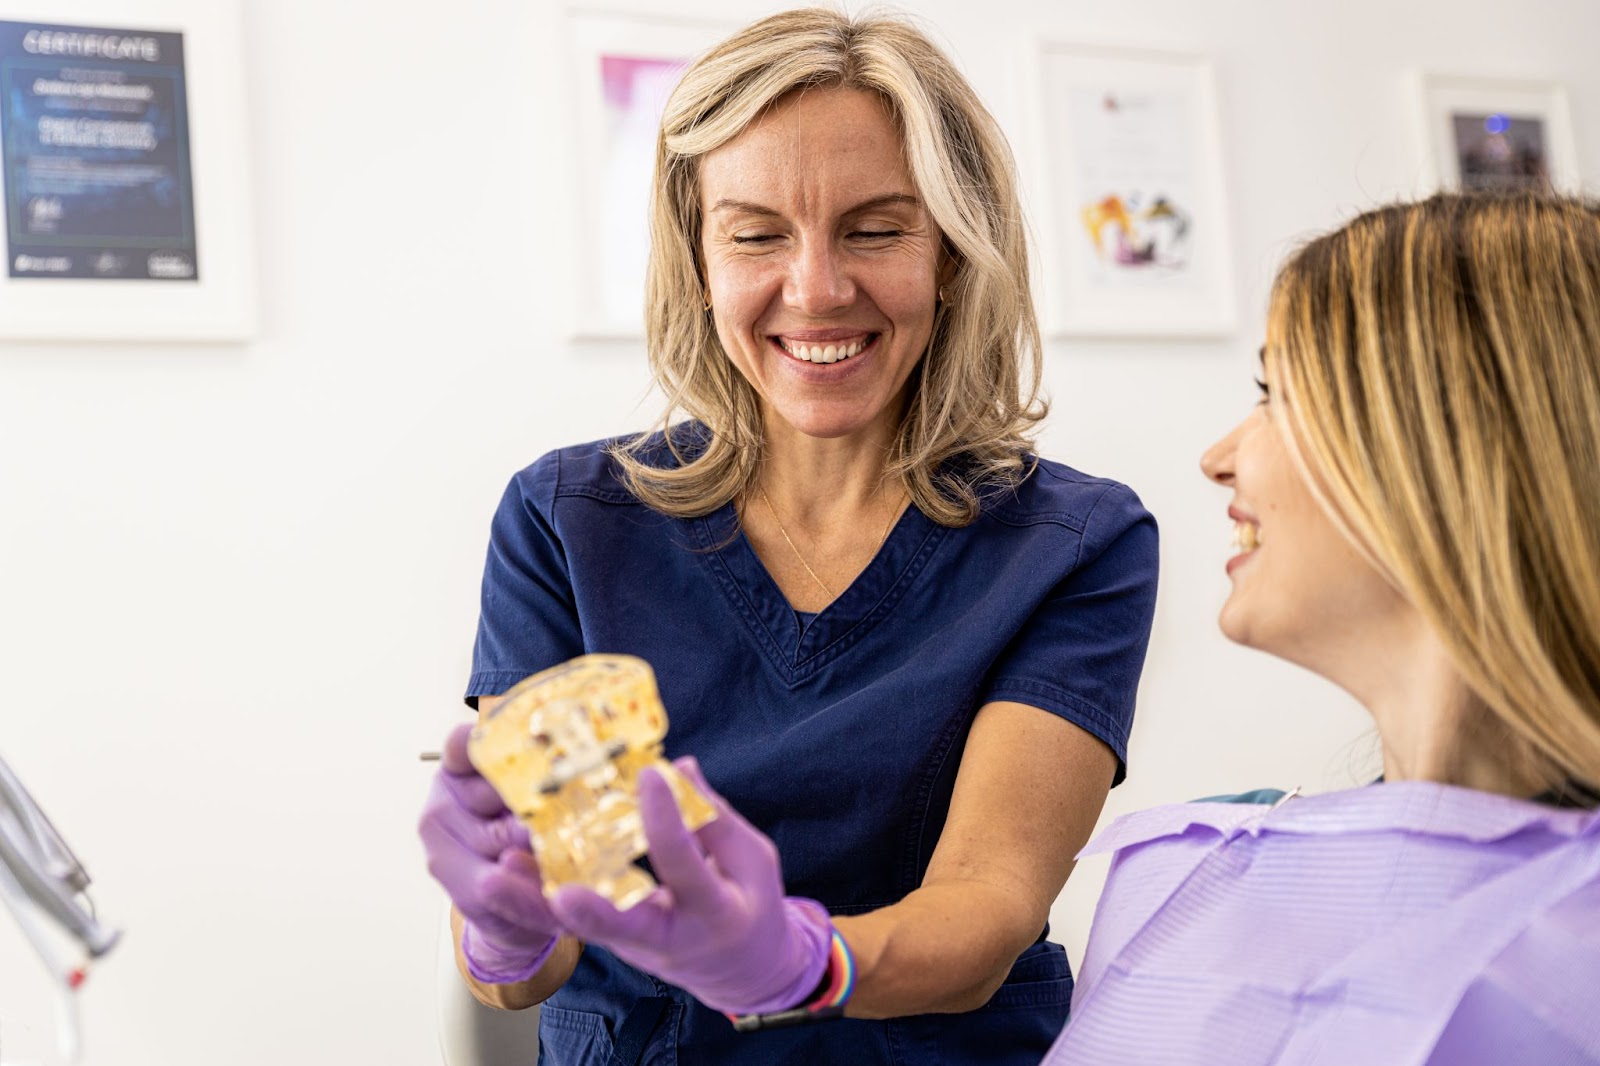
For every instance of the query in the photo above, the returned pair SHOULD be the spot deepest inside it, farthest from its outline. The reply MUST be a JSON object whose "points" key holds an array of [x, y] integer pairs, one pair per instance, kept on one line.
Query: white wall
{"points": [[238, 583]]}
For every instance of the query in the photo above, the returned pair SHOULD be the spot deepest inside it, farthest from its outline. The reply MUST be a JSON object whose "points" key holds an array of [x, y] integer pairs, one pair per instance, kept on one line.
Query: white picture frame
{"points": [[208, 297], [1131, 210], [622, 68], [1478, 132]]}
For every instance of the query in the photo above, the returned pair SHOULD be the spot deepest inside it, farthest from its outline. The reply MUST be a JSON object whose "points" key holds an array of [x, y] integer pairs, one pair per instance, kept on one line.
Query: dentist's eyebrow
{"points": [[726, 204], [885, 201]]}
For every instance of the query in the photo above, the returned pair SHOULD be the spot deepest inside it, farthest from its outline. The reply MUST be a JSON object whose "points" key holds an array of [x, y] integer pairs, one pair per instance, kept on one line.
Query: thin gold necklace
{"points": [[821, 584]]}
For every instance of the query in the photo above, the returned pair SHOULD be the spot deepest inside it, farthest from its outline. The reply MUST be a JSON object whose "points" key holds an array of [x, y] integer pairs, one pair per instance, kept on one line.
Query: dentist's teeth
{"points": [[824, 353]]}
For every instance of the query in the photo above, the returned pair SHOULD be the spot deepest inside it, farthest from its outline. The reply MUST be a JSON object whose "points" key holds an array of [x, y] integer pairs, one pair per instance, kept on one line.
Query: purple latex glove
{"points": [[482, 856], [719, 925]]}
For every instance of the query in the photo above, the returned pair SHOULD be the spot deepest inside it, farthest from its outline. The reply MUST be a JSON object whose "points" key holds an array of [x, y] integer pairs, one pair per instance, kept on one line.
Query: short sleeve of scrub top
{"points": [[528, 618], [1074, 656]]}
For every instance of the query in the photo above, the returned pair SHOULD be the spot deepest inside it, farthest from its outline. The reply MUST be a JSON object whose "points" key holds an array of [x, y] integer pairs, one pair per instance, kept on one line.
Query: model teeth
{"points": [[1246, 536], [823, 353]]}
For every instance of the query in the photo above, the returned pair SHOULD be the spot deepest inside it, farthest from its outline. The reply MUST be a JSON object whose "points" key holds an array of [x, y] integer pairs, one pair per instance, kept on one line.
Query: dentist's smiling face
{"points": [[1301, 590], [821, 262]]}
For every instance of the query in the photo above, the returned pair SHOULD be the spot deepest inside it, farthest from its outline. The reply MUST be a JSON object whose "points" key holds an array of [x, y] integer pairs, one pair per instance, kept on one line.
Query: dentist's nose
{"points": [[819, 283]]}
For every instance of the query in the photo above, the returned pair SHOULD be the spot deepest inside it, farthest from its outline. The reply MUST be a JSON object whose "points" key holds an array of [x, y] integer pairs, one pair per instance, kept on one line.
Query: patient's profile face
{"points": [[1300, 590]]}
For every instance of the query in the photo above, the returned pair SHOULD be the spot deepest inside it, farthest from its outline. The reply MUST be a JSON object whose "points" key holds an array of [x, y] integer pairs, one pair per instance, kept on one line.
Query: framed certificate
{"points": [[122, 139]]}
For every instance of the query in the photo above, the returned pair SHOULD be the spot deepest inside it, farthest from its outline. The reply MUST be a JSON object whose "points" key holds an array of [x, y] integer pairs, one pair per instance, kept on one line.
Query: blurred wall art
{"points": [[1136, 235], [1488, 133], [623, 69]]}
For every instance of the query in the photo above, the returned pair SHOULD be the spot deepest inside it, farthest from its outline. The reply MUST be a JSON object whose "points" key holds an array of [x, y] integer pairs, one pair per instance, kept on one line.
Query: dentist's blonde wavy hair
{"points": [[975, 393], [1439, 367]]}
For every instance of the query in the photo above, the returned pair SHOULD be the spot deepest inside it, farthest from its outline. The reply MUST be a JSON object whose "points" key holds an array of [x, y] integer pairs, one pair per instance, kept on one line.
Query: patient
{"points": [[1416, 502]]}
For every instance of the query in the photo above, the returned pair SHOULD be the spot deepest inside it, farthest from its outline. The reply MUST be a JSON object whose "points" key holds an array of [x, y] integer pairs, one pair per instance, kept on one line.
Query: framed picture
{"points": [[1490, 134], [123, 143], [1131, 208], [623, 68]]}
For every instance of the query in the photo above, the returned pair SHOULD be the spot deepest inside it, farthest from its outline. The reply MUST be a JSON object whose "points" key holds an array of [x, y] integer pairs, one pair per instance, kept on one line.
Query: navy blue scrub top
{"points": [[840, 740]]}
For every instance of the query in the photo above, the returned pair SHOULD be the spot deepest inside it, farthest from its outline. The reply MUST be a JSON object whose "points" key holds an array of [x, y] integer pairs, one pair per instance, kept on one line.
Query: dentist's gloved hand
{"points": [[482, 856], [718, 926]]}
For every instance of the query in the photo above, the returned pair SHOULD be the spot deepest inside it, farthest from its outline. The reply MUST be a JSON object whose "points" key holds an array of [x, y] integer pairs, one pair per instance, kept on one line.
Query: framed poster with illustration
{"points": [[1132, 211], [623, 68], [123, 147], [1484, 133]]}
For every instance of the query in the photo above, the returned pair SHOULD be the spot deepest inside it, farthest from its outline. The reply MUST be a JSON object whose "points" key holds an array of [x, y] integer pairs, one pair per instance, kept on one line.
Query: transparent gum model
{"points": [[564, 749]]}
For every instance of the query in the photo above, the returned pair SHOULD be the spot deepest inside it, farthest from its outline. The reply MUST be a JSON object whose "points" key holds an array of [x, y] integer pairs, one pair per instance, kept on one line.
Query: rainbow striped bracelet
{"points": [[839, 981]]}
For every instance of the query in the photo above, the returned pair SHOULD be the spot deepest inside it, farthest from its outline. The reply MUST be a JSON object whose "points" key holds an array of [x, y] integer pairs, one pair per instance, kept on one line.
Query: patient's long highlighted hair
{"points": [[975, 395], [1439, 365]]}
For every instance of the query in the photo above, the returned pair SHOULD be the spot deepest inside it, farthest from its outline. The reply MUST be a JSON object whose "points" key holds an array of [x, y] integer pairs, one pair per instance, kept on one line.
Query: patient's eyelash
{"points": [[1266, 393]]}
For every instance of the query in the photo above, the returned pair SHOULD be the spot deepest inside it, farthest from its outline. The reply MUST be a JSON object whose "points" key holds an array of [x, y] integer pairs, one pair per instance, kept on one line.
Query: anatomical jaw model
{"points": [[564, 749]]}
